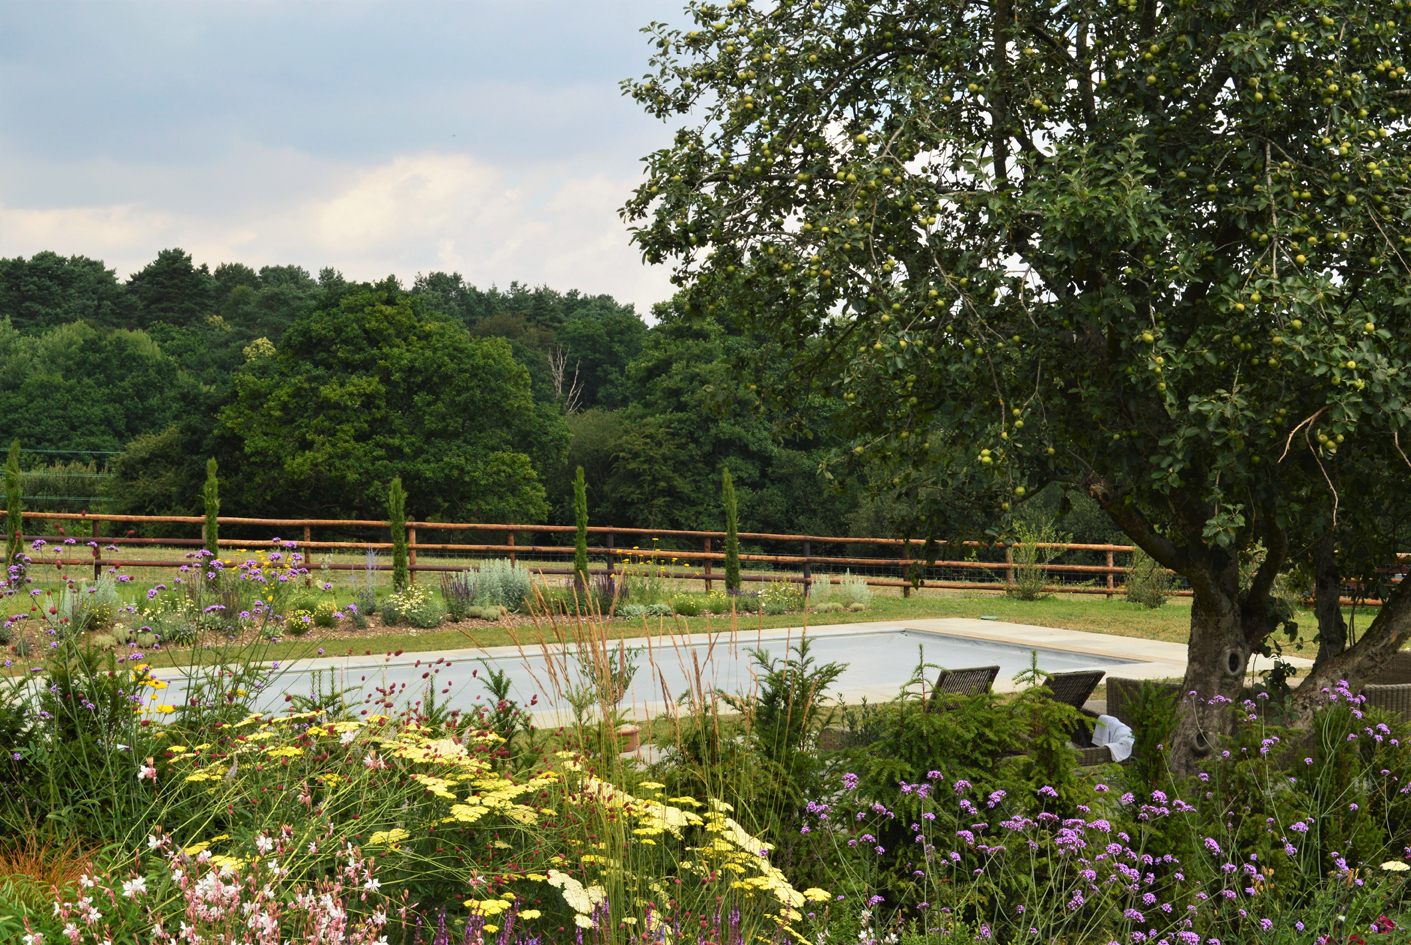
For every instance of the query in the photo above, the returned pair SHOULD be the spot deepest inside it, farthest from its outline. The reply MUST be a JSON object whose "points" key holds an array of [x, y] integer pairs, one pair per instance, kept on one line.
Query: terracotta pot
{"points": [[629, 737]]}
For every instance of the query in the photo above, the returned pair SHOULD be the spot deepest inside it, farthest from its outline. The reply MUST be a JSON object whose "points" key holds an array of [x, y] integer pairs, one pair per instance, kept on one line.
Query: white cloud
{"points": [[412, 213]]}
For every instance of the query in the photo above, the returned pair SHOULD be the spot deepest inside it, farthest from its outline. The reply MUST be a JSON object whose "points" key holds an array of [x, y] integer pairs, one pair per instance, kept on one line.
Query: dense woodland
{"points": [[312, 393]]}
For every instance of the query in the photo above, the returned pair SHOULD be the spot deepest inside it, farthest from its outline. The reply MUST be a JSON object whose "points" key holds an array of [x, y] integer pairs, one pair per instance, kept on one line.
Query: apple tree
{"points": [[1152, 249]]}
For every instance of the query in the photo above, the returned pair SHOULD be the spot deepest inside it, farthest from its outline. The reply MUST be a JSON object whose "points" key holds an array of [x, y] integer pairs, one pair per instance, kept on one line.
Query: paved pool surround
{"points": [[881, 657]]}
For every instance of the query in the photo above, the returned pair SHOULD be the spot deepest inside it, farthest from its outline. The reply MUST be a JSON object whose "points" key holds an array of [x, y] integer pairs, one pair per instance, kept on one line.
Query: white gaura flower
{"points": [[264, 844], [134, 887]]}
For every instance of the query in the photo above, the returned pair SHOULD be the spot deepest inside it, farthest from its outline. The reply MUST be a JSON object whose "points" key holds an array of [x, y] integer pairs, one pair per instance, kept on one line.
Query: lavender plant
{"points": [[458, 593]]}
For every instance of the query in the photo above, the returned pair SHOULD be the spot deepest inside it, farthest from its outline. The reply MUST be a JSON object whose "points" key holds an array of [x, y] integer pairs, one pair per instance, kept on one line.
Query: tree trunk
{"points": [[1387, 633], [1327, 599], [1217, 656]]}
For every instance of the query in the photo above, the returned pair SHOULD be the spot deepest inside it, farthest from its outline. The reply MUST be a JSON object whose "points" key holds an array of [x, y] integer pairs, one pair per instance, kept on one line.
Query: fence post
{"points": [[1110, 577], [411, 554], [97, 551], [308, 556], [807, 572], [612, 562], [707, 566], [1009, 571], [509, 540], [906, 557]]}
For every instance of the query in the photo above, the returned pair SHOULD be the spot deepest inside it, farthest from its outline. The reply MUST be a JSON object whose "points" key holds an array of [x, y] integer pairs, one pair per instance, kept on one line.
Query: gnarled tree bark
{"points": [[1228, 622]]}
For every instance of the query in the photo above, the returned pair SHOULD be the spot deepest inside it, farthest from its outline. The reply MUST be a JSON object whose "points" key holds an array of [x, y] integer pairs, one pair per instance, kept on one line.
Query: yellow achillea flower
{"points": [[286, 751], [488, 907], [387, 836], [438, 786]]}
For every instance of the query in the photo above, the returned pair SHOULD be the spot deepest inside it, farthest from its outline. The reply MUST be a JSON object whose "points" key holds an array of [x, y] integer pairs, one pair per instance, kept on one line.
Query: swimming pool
{"points": [[879, 662]]}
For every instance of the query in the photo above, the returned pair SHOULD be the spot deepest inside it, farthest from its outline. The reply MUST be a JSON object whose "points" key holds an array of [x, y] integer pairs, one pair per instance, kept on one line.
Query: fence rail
{"points": [[804, 566]]}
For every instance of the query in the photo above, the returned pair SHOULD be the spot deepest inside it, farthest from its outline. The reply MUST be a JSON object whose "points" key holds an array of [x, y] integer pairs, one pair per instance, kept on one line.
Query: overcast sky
{"points": [[488, 138]]}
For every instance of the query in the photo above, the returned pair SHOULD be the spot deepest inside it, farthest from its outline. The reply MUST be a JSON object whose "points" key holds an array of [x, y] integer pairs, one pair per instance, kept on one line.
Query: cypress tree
{"points": [[14, 507], [211, 494], [397, 519], [732, 540], [580, 542]]}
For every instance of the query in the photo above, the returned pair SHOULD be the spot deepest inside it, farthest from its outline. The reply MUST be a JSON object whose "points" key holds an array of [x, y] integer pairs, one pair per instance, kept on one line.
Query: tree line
{"points": [[313, 392]]}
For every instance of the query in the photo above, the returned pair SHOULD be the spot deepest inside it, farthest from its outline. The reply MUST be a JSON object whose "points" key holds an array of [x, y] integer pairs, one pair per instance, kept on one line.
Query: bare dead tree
{"points": [[572, 398]]}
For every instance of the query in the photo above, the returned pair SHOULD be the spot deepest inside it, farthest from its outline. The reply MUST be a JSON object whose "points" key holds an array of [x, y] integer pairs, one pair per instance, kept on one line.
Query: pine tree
{"points": [[580, 544], [211, 494], [732, 540], [14, 507], [397, 520]]}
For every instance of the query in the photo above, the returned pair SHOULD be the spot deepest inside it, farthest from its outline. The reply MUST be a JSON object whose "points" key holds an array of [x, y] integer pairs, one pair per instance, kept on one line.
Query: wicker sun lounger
{"points": [[967, 682], [1074, 688], [1390, 689]]}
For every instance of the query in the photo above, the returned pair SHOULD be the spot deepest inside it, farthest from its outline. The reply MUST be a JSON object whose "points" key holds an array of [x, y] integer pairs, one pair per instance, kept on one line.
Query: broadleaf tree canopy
{"points": [[1153, 249], [366, 388]]}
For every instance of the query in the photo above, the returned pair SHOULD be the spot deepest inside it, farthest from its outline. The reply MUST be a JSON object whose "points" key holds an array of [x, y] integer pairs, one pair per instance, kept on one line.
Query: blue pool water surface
{"points": [[879, 662]]}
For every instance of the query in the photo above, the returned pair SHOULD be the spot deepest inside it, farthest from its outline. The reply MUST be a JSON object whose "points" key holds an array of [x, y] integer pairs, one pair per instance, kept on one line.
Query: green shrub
{"points": [[829, 607], [639, 611], [503, 583], [687, 605], [323, 613], [852, 589], [1148, 583], [79, 609], [780, 597], [416, 605], [1152, 716], [102, 641], [298, 622], [717, 602], [1029, 558]]}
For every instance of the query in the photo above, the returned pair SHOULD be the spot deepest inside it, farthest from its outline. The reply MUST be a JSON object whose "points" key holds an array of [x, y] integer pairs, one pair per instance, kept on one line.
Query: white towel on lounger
{"points": [[1118, 738]]}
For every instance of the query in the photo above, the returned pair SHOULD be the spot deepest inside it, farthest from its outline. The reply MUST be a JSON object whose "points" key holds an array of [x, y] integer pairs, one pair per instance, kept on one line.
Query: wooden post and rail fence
{"points": [[796, 568]]}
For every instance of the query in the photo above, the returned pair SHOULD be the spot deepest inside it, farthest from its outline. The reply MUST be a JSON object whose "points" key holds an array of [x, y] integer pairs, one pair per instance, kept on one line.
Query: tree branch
{"points": [[1389, 630], [1136, 527]]}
